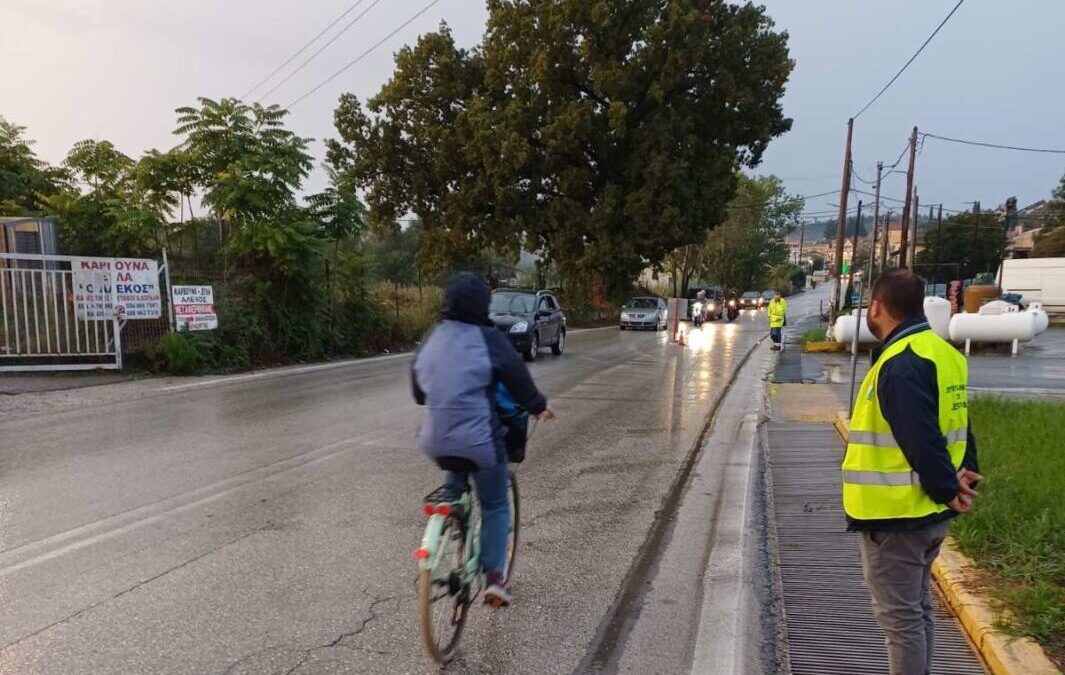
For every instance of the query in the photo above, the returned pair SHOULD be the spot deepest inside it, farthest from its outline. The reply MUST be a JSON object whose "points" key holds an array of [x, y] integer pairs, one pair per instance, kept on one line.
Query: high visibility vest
{"points": [[776, 310], [878, 482]]}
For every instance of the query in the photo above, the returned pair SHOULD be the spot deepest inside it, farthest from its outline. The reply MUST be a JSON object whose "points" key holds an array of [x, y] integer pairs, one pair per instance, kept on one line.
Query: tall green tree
{"points": [[966, 245], [25, 180], [249, 166], [1050, 242], [601, 134], [740, 253], [413, 150]]}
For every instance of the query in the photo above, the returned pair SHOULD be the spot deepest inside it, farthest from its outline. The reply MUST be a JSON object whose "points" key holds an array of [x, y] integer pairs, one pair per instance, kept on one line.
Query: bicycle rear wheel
{"points": [[515, 522], [444, 596]]}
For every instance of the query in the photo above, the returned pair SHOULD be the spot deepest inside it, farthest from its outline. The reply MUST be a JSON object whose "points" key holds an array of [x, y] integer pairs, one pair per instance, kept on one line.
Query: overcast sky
{"points": [[116, 69]]}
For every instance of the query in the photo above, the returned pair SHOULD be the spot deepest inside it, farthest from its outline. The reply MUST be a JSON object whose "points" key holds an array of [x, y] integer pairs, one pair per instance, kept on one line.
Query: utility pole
{"points": [[841, 224], [935, 249], [906, 204], [876, 215], [802, 236], [916, 217], [886, 242], [854, 256]]}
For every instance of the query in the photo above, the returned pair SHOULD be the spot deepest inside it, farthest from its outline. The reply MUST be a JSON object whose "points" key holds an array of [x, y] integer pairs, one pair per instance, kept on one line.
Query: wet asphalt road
{"points": [[266, 526]]}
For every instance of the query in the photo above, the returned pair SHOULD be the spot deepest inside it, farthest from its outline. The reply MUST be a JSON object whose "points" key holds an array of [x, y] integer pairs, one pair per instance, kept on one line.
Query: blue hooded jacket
{"points": [[455, 374]]}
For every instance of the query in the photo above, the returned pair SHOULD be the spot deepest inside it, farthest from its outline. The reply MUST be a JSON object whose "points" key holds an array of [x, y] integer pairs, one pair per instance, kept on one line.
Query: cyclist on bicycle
{"points": [[455, 374]]}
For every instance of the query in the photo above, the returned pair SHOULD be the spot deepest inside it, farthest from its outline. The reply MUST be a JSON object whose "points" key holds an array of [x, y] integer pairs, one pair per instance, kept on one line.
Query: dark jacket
{"points": [[455, 373], [909, 399]]}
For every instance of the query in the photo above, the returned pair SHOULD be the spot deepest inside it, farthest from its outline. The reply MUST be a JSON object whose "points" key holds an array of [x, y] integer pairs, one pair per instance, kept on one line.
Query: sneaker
{"points": [[498, 592]]}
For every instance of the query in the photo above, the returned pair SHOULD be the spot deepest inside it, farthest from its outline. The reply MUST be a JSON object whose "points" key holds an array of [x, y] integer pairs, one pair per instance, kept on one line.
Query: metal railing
{"points": [[49, 322]]}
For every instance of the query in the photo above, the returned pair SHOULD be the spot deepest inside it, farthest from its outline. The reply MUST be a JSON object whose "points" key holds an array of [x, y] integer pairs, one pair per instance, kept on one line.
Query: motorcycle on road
{"points": [[732, 310]]}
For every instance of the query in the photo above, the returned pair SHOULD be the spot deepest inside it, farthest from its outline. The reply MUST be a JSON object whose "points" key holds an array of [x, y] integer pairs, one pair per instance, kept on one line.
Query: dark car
{"points": [[751, 300], [715, 301], [531, 319]]}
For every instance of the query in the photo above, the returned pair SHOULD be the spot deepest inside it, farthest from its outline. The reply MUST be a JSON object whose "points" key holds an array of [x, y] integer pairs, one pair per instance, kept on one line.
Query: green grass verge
{"points": [[1017, 530], [818, 334]]}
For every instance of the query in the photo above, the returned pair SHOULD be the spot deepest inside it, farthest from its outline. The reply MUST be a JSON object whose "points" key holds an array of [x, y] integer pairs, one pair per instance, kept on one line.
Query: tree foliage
{"points": [[966, 245], [740, 253], [1050, 242], [602, 135], [25, 180]]}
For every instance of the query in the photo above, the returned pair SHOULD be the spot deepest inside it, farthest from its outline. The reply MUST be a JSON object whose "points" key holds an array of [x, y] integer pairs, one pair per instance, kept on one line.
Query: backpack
{"points": [[515, 420]]}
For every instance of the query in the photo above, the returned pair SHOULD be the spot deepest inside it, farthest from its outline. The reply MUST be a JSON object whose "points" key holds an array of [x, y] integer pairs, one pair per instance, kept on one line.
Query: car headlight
{"points": [[731, 303], [520, 327], [710, 307]]}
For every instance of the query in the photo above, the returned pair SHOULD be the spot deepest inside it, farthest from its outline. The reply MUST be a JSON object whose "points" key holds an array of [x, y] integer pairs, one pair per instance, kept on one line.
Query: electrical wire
{"points": [[366, 53], [907, 64], [321, 49], [302, 49], [997, 146]]}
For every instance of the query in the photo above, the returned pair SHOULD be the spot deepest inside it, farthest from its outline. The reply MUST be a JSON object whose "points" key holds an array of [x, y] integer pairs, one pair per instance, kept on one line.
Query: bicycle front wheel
{"points": [[515, 522], [444, 595]]}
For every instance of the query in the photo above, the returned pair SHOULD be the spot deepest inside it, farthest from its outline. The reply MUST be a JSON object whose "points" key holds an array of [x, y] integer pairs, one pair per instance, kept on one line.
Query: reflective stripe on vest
{"points": [[881, 478], [887, 440], [878, 481]]}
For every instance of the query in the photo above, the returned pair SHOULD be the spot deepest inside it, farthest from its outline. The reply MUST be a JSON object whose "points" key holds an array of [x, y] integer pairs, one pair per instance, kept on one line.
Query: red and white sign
{"points": [[194, 307], [124, 287]]}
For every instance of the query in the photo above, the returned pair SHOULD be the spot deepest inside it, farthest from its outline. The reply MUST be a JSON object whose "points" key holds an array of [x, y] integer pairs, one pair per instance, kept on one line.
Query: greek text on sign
{"points": [[127, 288], [194, 307]]}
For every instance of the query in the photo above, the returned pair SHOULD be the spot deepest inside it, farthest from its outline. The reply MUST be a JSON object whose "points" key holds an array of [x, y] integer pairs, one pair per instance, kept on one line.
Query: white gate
{"points": [[49, 322]]}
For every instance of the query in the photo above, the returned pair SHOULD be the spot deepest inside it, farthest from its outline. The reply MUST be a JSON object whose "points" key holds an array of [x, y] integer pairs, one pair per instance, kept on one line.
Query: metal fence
{"points": [[44, 327]]}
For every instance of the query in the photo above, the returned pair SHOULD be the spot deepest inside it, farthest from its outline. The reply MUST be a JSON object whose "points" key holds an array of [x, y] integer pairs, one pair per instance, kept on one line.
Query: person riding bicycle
{"points": [[456, 373]]}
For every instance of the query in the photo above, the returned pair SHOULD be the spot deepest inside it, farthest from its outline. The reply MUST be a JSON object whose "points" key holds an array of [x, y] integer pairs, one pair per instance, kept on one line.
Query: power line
{"points": [[366, 53], [997, 146], [302, 49], [320, 49], [912, 59]]}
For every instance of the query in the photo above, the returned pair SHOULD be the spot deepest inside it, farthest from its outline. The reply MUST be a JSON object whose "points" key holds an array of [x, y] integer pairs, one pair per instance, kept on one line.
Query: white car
{"points": [[648, 313]]}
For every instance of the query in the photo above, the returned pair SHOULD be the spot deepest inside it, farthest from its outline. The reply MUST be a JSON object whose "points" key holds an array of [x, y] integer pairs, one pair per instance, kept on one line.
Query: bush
{"points": [[177, 354]]}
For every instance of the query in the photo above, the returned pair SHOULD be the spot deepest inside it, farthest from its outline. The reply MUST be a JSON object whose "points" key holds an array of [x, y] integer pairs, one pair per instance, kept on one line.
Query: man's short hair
{"points": [[901, 292]]}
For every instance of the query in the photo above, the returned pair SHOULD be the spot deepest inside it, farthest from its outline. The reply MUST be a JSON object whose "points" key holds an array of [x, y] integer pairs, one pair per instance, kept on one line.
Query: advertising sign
{"points": [[194, 308], [136, 293]]}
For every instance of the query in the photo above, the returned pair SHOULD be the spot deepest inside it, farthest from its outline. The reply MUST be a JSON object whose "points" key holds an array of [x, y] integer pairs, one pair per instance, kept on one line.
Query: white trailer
{"points": [[1039, 279]]}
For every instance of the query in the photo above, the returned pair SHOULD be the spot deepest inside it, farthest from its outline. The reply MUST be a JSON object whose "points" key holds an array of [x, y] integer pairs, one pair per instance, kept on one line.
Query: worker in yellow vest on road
{"points": [[910, 465], [777, 309]]}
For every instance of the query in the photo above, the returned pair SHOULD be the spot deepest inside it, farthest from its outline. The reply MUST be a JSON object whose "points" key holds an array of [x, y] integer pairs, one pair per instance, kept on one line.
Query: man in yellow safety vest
{"points": [[910, 465], [777, 309]]}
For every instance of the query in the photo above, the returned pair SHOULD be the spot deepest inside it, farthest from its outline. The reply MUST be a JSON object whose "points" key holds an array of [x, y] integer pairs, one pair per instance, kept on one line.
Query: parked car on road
{"points": [[751, 300], [531, 319], [648, 313]]}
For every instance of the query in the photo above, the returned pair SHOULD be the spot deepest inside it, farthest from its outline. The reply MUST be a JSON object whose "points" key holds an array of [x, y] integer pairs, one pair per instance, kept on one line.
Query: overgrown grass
{"points": [[818, 334], [1017, 530], [408, 311]]}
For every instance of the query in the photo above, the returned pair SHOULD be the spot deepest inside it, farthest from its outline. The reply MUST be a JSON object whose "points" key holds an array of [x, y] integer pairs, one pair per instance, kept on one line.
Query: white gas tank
{"points": [[993, 327], [937, 311]]}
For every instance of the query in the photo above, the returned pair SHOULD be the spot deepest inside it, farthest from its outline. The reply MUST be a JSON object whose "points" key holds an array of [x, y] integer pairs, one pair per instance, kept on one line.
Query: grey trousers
{"points": [[898, 571]]}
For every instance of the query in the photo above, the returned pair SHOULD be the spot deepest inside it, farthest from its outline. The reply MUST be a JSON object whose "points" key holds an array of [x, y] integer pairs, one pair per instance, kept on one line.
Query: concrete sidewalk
{"points": [[829, 623]]}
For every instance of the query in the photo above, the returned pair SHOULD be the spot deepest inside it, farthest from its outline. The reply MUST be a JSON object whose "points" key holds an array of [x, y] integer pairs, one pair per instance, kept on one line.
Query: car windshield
{"points": [[512, 303], [642, 303], [751, 294], [768, 295]]}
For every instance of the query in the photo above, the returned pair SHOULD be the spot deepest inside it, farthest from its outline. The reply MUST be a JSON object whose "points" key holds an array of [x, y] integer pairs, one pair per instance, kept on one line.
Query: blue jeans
{"points": [[775, 333], [494, 497]]}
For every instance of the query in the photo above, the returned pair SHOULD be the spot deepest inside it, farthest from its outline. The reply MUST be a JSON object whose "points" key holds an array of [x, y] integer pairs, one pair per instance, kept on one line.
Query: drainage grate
{"points": [[830, 625]]}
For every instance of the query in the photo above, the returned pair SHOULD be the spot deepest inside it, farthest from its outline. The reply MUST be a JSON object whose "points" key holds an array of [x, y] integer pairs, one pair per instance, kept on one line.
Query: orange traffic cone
{"points": [[680, 339]]}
